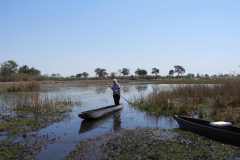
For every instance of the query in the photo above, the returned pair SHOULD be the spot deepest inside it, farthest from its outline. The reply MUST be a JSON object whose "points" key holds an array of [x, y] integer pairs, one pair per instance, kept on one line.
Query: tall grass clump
{"points": [[221, 101], [35, 103], [28, 112], [24, 87]]}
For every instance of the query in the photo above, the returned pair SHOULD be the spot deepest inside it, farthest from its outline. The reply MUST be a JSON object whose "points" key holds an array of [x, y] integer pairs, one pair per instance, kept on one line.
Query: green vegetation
{"points": [[141, 144], [180, 70], [23, 87], [28, 113], [82, 75], [31, 112], [155, 71], [8, 68], [11, 151], [141, 72], [9, 71], [101, 72], [18, 126], [125, 71], [219, 102]]}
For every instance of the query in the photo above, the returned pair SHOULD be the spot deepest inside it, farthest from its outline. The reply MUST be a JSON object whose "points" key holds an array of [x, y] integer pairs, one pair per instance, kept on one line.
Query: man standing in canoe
{"points": [[116, 91]]}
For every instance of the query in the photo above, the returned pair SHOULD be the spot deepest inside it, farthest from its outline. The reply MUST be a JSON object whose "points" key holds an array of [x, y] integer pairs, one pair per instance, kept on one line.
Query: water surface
{"points": [[70, 131]]}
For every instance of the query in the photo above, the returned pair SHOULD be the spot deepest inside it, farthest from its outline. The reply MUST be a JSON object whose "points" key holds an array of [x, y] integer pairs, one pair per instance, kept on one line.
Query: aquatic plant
{"points": [[27, 112], [144, 144], [22, 114], [39, 104], [24, 87], [221, 101]]}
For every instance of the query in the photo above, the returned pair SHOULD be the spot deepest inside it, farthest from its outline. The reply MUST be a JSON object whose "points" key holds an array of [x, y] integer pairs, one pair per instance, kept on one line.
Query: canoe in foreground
{"points": [[226, 134], [98, 113]]}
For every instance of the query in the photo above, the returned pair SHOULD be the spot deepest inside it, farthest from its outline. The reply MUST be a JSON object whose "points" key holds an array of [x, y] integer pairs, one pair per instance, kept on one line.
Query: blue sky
{"points": [[72, 36]]}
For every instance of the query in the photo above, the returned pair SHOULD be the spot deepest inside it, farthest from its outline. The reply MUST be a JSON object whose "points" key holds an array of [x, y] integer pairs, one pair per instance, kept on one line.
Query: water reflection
{"points": [[125, 89], [116, 121], [88, 125], [10, 104], [141, 88], [101, 90]]}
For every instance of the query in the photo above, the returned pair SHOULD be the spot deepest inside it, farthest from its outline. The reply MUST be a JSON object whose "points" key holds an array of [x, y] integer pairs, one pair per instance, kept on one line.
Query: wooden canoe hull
{"points": [[101, 112], [227, 135]]}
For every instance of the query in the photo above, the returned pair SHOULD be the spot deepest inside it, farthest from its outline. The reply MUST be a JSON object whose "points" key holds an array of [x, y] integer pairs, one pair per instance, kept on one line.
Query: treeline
{"points": [[11, 71]]}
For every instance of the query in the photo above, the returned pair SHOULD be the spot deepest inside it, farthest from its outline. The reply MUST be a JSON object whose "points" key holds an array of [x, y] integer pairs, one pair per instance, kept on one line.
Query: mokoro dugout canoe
{"points": [[100, 112], [225, 134]]}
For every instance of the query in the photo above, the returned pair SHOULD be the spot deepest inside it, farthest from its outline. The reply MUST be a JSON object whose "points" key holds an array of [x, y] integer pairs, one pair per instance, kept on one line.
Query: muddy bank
{"points": [[142, 144]]}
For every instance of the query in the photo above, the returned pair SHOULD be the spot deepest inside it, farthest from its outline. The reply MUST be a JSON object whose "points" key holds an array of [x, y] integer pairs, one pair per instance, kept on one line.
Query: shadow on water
{"points": [[88, 125]]}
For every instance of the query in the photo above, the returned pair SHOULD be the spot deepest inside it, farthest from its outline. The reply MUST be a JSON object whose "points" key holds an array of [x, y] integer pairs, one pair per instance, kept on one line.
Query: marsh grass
{"points": [[28, 112], [35, 103], [23, 87], [25, 113], [218, 102], [153, 144], [9, 151]]}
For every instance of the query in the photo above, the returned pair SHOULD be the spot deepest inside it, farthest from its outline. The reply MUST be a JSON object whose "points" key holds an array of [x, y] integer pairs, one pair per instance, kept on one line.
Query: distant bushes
{"points": [[10, 71]]}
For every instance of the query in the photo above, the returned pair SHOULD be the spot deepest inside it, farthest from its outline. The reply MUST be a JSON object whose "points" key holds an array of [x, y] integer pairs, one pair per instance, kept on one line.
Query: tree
{"points": [[198, 75], [125, 71], [171, 73], [112, 75], [56, 75], [31, 71], [179, 70], [72, 77], [101, 73], [8, 68], [141, 72], [85, 74], [155, 71], [190, 75], [120, 72], [53, 75], [206, 76], [79, 75], [36, 72], [23, 69]]}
